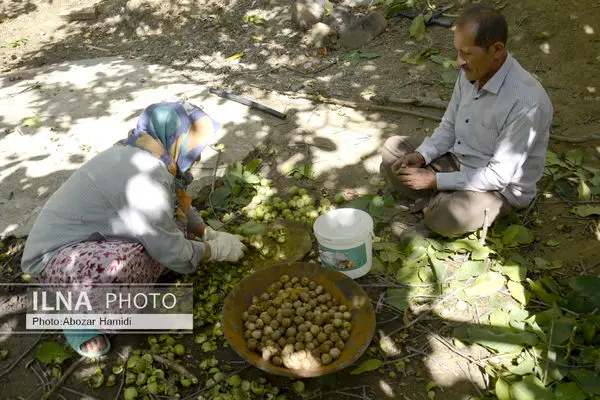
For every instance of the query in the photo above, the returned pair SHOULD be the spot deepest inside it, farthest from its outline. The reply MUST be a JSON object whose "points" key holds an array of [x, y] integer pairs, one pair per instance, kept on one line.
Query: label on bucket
{"points": [[344, 260]]}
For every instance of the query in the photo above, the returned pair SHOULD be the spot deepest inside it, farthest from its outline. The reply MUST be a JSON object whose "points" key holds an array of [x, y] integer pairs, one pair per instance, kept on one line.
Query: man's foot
{"points": [[419, 230], [94, 345], [418, 206]]}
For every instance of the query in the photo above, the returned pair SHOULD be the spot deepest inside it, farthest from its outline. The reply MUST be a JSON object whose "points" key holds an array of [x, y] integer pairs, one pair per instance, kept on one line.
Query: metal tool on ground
{"points": [[437, 17], [248, 102]]}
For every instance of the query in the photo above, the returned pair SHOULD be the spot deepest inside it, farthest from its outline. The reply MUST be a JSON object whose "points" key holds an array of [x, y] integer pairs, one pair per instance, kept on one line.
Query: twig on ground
{"points": [[379, 302], [34, 392], [176, 367], [214, 181], [486, 225], [574, 202], [401, 285], [324, 67], [320, 395], [357, 396], [546, 304], [34, 85], [83, 395], [14, 364], [405, 84], [414, 101], [41, 377], [593, 267], [395, 360], [438, 362], [452, 348], [548, 353], [99, 48], [529, 209], [387, 321], [426, 312], [63, 378], [575, 139], [122, 384], [470, 379]]}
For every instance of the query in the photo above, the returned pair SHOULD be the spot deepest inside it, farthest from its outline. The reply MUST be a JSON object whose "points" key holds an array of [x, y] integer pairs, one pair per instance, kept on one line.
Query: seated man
{"points": [[489, 150]]}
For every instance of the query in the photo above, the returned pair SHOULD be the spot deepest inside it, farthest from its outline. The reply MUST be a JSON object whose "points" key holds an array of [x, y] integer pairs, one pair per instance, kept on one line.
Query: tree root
{"points": [[414, 101], [365, 106]]}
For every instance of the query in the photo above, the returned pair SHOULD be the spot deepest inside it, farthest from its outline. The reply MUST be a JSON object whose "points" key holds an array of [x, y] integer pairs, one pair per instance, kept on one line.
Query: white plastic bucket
{"points": [[345, 238]]}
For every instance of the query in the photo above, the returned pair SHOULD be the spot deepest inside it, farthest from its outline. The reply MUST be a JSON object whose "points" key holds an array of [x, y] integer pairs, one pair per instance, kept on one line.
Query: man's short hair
{"points": [[491, 24]]}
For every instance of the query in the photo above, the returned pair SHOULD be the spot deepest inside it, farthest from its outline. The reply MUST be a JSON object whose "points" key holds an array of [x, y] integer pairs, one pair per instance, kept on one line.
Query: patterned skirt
{"points": [[104, 261]]}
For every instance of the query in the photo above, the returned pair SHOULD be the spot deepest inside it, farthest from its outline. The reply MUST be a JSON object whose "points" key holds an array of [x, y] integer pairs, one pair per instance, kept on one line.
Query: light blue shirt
{"points": [[499, 134], [123, 193]]}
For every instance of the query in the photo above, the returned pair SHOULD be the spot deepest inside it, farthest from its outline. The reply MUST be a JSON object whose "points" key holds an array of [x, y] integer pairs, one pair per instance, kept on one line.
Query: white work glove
{"points": [[211, 234], [224, 246]]}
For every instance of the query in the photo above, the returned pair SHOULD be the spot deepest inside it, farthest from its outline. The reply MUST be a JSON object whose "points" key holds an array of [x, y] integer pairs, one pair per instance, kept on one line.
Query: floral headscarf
{"points": [[163, 129]]}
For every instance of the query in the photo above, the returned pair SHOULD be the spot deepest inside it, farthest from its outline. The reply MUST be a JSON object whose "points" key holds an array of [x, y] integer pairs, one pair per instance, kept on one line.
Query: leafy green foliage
{"points": [[417, 27], [300, 171], [421, 58], [17, 42], [445, 61], [32, 122], [53, 353], [366, 366], [256, 20], [371, 203], [356, 56]]}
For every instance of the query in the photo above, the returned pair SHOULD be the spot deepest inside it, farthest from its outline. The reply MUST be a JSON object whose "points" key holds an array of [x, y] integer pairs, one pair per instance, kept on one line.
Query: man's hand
{"points": [[417, 178], [411, 160]]}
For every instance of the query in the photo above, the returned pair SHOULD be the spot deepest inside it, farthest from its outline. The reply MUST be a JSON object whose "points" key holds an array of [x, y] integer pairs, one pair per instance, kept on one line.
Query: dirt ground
{"points": [[559, 43]]}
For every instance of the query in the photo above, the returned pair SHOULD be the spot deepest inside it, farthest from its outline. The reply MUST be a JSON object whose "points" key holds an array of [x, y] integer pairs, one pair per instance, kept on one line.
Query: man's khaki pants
{"points": [[446, 213]]}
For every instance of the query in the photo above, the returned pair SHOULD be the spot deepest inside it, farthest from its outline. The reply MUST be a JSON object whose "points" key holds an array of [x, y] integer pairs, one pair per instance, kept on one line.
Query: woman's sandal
{"points": [[76, 338]]}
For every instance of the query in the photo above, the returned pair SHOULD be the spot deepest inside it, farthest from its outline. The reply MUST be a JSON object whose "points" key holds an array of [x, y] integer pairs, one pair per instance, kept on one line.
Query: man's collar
{"points": [[493, 85]]}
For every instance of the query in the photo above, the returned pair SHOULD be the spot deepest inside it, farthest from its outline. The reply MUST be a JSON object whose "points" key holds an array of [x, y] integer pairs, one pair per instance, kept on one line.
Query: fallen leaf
{"points": [[32, 122], [516, 235], [500, 340], [587, 380], [586, 210], [447, 62], [514, 271], [233, 57], [587, 286], [398, 298], [575, 157], [517, 291], [524, 366], [502, 389], [417, 27], [469, 269], [486, 284], [52, 353], [366, 366], [569, 391], [530, 388], [583, 191]]}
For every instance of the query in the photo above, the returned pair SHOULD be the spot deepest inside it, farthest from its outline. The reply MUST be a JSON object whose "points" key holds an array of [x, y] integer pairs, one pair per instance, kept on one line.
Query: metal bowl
{"points": [[339, 285]]}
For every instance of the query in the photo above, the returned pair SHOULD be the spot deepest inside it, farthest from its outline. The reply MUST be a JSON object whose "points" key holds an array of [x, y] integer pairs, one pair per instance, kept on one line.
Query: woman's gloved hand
{"points": [[224, 246]]}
